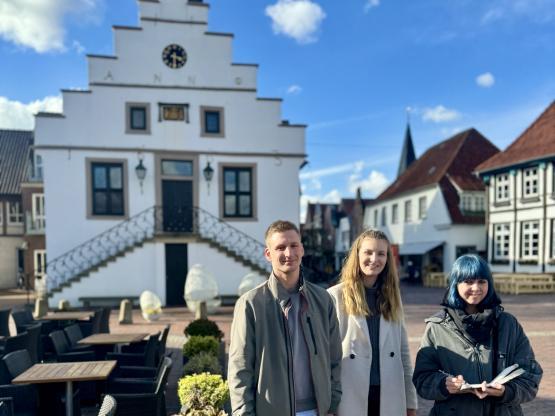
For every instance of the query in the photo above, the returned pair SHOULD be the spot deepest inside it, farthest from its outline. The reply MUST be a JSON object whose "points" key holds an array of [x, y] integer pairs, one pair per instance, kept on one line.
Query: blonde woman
{"points": [[375, 367]]}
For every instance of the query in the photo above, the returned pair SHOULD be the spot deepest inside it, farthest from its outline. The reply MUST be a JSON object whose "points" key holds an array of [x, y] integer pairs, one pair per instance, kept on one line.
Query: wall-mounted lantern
{"points": [[208, 173], [140, 170]]}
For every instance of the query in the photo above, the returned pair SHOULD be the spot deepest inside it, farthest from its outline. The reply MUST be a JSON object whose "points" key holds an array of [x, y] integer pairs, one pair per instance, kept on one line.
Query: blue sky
{"points": [[348, 69]]}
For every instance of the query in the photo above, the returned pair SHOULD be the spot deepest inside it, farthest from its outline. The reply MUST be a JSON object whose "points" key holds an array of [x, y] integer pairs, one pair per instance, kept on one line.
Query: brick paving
{"points": [[536, 313]]}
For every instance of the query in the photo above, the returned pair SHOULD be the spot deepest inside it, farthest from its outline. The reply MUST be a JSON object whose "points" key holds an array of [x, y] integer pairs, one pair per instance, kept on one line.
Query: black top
{"points": [[373, 322]]}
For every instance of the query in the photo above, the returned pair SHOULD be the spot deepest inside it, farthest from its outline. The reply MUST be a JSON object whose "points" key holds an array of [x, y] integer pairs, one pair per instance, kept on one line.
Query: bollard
{"points": [[201, 311], [41, 307], [63, 305], [126, 312]]}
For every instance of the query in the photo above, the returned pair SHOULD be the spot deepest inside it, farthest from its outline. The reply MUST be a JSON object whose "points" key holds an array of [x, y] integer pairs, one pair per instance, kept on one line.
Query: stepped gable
{"points": [[536, 142], [14, 153], [449, 165]]}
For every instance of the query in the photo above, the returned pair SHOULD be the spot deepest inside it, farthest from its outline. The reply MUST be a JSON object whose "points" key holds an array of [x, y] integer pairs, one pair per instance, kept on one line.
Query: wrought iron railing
{"points": [[145, 225]]}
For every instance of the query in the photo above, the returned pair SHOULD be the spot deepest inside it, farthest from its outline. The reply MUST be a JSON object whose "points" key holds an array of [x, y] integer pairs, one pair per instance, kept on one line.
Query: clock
{"points": [[174, 56]]}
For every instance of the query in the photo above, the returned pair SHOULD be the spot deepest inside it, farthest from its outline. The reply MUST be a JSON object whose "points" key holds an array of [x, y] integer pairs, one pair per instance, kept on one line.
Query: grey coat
{"points": [[444, 347]]}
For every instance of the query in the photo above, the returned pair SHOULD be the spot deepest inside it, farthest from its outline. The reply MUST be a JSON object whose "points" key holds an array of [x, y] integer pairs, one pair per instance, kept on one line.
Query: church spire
{"points": [[407, 153]]}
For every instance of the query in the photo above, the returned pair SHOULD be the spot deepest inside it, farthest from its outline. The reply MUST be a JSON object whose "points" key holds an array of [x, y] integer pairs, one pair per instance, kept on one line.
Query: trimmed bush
{"points": [[204, 327], [198, 344], [203, 362], [202, 395]]}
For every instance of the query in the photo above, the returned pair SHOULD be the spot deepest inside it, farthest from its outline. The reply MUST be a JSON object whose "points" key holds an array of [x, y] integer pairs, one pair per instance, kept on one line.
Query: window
{"points": [[501, 237], [422, 207], [384, 217], [479, 203], [530, 240], [39, 263], [466, 203], [138, 118], [173, 112], [530, 182], [107, 189], [238, 192], [39, 219], [502, 193], [394, 213], [376, 218], [177, 168], [15, 214], [553, 239], [1, 215], [37, 174], [408, 211], [212, 121]]}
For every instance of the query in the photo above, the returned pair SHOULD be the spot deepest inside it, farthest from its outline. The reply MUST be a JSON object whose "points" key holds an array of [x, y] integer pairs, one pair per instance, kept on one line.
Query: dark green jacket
{"points": [[260, 373], [445, 347]]}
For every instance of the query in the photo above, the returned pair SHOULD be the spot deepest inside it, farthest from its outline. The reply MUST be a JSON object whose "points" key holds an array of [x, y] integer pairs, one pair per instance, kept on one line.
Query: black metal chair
{"points": [[24, 396], [108, 407], [139, 347], [74, 335], [144, 359], [6, 406], [142, 397], [17, 342], [33, 345], [64, 352], [5, 322], [104, 325], [92, 326]]}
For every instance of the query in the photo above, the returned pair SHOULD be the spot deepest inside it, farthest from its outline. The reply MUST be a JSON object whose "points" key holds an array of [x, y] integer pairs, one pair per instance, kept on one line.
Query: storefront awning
{"points": [[418, 248]]}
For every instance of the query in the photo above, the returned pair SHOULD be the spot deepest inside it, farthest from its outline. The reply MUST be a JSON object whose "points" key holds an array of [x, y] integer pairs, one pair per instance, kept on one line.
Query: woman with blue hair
{"points": [[470, 341]]}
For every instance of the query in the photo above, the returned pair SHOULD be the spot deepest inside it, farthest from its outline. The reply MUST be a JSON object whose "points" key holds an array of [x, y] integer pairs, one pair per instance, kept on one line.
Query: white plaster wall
{"points": [[175, 10], [143, 269], [8, 261], [462, 235], [227, 272]]}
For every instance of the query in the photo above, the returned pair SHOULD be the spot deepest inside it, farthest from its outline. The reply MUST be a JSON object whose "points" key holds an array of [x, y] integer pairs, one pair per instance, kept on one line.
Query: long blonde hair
{"points": [[389, 295]]}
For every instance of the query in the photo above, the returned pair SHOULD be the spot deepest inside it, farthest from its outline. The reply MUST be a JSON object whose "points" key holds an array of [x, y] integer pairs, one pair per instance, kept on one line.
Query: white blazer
{"points": [[397, 393]]}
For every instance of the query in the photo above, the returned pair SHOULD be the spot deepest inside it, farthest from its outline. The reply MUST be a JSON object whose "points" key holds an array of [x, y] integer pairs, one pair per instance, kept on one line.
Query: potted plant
{"points": [[207, 327], [202, 395]]}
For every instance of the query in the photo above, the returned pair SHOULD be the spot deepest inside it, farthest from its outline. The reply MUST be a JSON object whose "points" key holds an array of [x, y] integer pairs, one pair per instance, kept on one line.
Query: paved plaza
{"points": [[536, 313]]}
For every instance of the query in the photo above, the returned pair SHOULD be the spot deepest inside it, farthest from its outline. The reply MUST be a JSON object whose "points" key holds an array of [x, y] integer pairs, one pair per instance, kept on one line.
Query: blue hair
{"points": [[469, 267]]}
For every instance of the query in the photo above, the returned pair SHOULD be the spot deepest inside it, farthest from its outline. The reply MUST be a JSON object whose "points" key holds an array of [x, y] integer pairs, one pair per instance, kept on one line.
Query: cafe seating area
{"points": [[69, 363]]}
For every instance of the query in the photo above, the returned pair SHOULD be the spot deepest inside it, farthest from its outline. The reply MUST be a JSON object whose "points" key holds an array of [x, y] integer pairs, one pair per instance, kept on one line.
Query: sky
{"points": [[354, 71]]}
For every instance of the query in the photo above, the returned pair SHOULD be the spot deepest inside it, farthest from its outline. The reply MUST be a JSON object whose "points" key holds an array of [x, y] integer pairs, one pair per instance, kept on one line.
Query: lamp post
{"points": [[208, 173], [140, 170]]}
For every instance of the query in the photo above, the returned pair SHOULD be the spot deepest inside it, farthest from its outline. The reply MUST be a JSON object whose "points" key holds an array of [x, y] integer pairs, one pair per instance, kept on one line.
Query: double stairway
{"points": [[146, 226]]}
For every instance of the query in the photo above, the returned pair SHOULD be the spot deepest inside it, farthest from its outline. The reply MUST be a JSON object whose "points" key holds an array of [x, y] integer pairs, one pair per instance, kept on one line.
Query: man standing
{"points": [[285, 352]]}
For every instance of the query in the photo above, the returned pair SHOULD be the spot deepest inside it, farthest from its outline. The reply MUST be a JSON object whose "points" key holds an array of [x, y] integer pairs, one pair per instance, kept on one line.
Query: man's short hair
{"points": [[280, 226]]}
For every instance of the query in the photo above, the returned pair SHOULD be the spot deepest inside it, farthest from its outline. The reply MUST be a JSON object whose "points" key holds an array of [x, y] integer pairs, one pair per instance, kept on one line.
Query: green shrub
{"points": [[198, 344], [204, 327], [203, 362], [202, 395]]}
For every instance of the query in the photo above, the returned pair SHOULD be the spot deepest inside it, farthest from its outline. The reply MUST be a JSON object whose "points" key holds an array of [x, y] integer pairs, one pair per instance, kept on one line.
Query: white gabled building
{"points": [[521, 200], [169, 159], [434, 211]]}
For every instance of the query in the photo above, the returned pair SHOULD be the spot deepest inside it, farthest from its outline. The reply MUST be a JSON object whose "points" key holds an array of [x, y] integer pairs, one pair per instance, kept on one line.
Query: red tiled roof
{"points": [[455, 157], [537, 142], [14, 153]]}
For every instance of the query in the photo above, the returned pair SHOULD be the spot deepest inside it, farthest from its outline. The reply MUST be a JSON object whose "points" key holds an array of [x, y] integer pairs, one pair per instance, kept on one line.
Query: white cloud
{"points": [[332, 170], [485, 80], [298, 19], [371, 4], [372, 185], [440, 114], [39, 24], [294, 89], [17, 115]]}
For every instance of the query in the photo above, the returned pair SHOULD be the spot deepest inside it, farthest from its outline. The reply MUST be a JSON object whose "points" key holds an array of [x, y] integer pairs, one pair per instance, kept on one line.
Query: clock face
{"points": [[174, 56]]}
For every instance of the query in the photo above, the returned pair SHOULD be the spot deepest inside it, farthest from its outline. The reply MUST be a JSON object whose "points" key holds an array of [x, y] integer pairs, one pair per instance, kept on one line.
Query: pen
{"points": [[445, 373]]}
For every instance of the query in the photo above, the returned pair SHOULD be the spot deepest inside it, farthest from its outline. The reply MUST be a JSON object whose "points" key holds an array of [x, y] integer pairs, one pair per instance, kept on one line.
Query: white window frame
{"points": [[466, 202], [501, 241], [394, 213], [39, 263], [530, 182], [408, 210], [39, 217], [422, 207], [502, 187], [15, 218], [384, 216], [479, 203], [530, 234], [376, 218]]}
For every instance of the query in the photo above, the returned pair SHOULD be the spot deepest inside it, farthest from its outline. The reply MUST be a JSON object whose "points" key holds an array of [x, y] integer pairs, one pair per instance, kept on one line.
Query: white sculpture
{"points": [[200, 286], [250, 281], [151, 307]]}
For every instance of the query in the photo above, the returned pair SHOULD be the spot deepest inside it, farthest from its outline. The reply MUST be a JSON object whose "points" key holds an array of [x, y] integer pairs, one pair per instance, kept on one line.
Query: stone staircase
{"points": [[144, 227]]}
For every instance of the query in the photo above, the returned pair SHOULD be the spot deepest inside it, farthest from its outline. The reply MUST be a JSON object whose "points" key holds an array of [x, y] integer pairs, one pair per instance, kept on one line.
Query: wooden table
{"points": [[66, 373], [67, 316], [112, 339]]}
